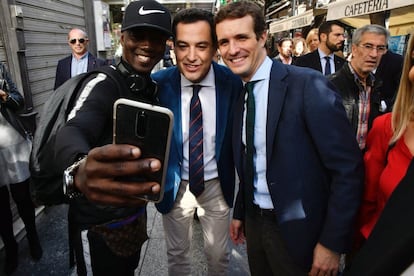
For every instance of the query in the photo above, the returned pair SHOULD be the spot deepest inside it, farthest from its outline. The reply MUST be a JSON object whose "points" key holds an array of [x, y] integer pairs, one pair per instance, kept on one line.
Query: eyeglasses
{"points": [[81, 40], [381, 49]]}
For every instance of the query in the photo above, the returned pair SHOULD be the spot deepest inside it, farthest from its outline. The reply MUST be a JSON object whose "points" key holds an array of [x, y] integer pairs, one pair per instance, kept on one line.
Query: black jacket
{"points": [[348, 89], [14, 103], [91, 126], [313, 60]]}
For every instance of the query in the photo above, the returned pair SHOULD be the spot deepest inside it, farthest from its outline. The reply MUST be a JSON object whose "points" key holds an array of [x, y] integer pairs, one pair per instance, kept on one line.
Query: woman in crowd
{"points": [[14, 173], [390, 148], [312, 40], [299, 47]]}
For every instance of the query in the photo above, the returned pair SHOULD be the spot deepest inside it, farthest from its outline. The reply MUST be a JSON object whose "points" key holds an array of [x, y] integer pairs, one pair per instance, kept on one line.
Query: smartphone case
{"points": [[149, 127]]}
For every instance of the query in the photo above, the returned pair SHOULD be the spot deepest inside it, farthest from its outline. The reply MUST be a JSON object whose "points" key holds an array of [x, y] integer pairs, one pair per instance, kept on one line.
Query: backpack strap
{"points": [[112, 72]]}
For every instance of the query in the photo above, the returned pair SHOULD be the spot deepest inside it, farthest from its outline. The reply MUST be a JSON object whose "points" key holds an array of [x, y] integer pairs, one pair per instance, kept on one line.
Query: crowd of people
{"points": [[318, 144]]}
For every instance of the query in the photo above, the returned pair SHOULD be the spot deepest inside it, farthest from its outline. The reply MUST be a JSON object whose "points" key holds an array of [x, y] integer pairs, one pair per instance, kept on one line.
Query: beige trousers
{"points": [[214, 216]]}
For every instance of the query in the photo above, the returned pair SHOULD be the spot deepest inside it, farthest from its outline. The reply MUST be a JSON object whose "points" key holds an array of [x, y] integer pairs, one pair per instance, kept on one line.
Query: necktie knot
{"points": [[249, 86], [196, 89]]}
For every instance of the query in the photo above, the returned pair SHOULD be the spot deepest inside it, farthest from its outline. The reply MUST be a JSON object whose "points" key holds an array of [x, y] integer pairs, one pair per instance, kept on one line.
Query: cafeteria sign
{"points": [[343, 9]]}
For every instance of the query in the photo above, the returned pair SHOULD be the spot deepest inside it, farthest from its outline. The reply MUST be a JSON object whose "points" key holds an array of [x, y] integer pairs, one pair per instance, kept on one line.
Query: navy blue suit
{"points": [[314, 165], [313, 60], [64, 67], [228, 88]]}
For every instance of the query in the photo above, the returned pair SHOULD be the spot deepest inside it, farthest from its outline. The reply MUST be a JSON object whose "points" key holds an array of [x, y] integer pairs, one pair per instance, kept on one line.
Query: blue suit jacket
{"points": [[314, 166], [228, 88], [64, 67]]}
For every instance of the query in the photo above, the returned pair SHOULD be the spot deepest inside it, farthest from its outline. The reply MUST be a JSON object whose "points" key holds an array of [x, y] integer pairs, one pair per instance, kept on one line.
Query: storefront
{"points": [[356, 13]]}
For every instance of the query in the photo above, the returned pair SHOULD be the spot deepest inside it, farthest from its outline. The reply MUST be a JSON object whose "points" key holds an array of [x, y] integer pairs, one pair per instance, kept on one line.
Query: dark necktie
{"points": [[196, 165], [250, 118], [327, 65]]}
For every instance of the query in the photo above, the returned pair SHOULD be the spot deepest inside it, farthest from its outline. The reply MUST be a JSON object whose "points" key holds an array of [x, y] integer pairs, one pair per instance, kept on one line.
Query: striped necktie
{"points": [[196, 164]]}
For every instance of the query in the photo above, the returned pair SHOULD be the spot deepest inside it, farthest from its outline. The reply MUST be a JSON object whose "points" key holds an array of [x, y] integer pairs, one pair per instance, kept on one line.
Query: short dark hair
{"points": [[283, 39], [326, 27], [240, 9], [192, 15]]}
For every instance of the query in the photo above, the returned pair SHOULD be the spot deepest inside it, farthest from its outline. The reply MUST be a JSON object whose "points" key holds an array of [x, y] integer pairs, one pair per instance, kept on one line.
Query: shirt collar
{"points": [[207, 81], [263, 72], [322, 55], [370, 79], [82, 57]]}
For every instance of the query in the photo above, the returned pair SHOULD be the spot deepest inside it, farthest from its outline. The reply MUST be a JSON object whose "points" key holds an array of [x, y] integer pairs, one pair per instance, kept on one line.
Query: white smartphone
{"points": [[148, 127]]}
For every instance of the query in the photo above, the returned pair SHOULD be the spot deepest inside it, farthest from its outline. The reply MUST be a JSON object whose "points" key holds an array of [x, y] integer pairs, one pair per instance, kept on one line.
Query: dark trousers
{"points": [[21, 196], [103, 260], [266, 251]]}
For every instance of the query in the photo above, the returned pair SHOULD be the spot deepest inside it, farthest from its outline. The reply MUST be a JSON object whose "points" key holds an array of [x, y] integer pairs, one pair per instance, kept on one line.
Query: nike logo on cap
{"points": [[145, 12]]}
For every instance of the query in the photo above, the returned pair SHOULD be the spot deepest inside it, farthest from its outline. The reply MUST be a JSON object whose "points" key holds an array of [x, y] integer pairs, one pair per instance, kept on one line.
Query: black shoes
{"points": [[12, 258], [12, 253], [35, 248]]}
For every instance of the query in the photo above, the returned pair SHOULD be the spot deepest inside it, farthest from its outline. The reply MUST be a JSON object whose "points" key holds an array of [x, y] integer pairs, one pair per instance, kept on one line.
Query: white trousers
{"points": [[214, 216]]}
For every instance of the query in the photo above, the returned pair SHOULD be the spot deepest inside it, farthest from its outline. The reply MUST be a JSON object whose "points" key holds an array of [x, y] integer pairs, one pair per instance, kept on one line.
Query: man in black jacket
{"points": [[110, 225], [357, 85]]}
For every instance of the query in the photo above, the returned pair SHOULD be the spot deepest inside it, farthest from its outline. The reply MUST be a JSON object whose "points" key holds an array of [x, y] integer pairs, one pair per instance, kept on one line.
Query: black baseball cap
{"points": [[148, 14]]}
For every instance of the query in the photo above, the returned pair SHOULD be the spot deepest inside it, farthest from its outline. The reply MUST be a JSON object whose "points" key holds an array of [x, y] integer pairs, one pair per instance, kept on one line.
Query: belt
{"points": [[264, 212]]}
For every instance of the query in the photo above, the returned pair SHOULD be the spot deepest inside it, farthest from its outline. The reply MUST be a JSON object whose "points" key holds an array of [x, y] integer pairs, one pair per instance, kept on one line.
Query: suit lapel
{"points": [[318, 65], [276, 97], [237, 132], [223, 94], [91, 62], [338, 63], [175, 106]]}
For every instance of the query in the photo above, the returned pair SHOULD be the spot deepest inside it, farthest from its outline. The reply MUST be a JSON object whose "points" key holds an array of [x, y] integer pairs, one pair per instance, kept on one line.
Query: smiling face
{"points": [[143, 48], [240, 49], [364, 61], [194, 50]]}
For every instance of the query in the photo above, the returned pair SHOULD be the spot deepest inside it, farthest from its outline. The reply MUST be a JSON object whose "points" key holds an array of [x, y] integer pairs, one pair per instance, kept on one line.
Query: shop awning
{"points": [[295, 22], [356, 13]]}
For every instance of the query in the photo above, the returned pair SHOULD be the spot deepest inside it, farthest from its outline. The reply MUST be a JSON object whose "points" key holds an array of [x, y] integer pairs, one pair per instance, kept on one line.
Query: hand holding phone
{"points": [[148, 127]]}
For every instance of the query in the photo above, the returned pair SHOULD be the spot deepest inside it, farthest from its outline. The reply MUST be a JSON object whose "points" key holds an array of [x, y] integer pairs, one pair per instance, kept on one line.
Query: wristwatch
{"points": [[69, 188]]}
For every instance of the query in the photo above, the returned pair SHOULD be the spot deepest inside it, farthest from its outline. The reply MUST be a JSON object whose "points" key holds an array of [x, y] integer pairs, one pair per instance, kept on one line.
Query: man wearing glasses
{"points": [[355, 82], [80, 61]]}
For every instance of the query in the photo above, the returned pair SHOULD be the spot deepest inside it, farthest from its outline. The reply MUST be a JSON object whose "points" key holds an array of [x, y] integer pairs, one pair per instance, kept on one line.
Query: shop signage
{"points": [[344, 9], [294, 22]]}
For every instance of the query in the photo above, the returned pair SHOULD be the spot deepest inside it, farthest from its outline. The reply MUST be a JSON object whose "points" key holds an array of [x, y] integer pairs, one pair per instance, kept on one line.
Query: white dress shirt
{"points": [[207, 97]]}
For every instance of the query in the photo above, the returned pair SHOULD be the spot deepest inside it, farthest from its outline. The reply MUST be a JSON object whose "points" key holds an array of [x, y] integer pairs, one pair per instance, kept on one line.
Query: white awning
{"points": [[352, 8], [293, 22], [356, 13]]}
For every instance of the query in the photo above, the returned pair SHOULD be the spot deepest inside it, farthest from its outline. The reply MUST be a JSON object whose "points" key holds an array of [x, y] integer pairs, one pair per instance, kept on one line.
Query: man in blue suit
{"points": [[80, 61], [195, 47], [299, 165]]}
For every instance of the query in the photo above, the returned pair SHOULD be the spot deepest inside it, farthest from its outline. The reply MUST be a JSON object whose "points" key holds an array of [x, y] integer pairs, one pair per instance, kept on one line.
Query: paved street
{"points": [[52, 227]]}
